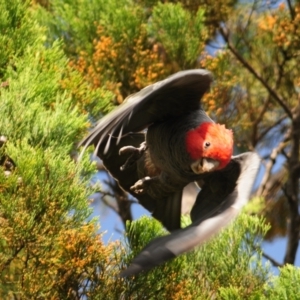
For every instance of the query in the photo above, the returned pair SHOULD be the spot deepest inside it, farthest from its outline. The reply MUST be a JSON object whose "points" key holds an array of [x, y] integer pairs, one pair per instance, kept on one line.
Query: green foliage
{"points": [[286, 285], [73, 21], [114, 51], [17, 31], [34, 106], [122, 20], [229, 264], [228, 267], [257, 94], [120, 47], [49, 249], [51, 90], [77, 22], [181, 33]]}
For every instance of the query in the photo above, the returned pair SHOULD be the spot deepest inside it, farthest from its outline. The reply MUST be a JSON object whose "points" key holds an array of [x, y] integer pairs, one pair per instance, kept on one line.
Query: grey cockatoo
{"points": [[158, 141]]}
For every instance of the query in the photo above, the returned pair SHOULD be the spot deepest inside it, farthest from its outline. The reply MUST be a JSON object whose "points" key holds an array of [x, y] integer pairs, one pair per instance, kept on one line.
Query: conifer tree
{"points": [[64, 65]]}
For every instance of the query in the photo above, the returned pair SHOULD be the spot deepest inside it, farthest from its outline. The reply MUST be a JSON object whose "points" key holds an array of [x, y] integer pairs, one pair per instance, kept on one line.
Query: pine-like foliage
{"points": [[48, 249], [228, 267], [62, 64]]}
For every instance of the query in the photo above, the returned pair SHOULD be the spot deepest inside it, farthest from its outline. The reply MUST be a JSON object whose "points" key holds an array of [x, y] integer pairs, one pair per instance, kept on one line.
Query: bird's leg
{"points": [[157, 186], [142, 185], [136, 153]]}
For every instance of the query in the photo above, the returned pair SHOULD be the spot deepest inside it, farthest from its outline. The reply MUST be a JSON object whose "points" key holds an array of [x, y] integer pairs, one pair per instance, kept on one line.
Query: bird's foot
{"points": [[135, 154], [141, 186]]}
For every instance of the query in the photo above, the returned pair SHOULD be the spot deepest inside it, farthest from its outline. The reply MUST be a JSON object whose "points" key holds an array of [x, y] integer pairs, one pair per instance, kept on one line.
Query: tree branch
{"points": [[124, 205], [115, 208], [242, 35], [296, 170], [293, 230], [272, 260], [269, 167], [271, 127], [278, 99], [257, 121], [291, 191], [8, 261], [292, 12]]}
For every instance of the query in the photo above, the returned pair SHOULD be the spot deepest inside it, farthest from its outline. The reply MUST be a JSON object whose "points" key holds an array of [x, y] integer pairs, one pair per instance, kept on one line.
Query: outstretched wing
{"points": [[176, 95], [220, 200]]}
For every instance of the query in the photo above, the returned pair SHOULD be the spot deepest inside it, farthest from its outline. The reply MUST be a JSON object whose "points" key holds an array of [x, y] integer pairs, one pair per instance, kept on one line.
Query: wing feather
{"points": [[173, 96], [219, 212]]}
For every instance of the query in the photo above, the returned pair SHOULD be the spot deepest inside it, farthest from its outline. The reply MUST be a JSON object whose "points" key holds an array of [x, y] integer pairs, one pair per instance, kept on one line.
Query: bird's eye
{"points": [[206, 144]]}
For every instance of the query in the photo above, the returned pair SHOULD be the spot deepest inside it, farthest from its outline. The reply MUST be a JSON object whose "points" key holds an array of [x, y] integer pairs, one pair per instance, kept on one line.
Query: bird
{"points": [[157, 142]]}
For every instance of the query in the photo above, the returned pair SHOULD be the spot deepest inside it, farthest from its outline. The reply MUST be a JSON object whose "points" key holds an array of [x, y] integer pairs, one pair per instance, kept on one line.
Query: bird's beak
{"points": [[204, 165]]}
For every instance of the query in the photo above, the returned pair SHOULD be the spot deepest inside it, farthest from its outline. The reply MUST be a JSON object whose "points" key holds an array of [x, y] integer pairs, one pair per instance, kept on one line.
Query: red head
{"points": [[210, 140]]}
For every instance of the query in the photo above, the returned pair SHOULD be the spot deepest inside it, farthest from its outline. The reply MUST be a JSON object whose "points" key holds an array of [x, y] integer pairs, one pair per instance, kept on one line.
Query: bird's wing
{"points": [[176, 95], [167, 210], [214, 209]]}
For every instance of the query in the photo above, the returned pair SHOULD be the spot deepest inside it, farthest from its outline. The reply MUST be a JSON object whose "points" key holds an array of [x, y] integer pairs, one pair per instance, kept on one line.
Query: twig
{"points": [[8, 261], [269, 167], [257, 121], [280, 101], [292, 12], [124, 204], [263, 133], [216, 46], [114, 208], [272, 260], [247, 24]]}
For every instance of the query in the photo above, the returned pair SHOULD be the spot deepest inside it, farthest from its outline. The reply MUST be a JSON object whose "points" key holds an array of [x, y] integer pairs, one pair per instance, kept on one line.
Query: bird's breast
{"points": [[152, 170], [166, 142]]}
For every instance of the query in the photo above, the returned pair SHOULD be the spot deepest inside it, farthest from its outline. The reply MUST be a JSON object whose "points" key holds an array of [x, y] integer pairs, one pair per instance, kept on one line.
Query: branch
{"points": [[296, 170], [215, 46], [272, 260], [111, 206], [115, 208], [292, 12], [8, 261], [271, 127], [293, 230], [246, 26], [274, 125], [291, 191], [269, 168], [257, 121], [280, 101], [124, 204]]}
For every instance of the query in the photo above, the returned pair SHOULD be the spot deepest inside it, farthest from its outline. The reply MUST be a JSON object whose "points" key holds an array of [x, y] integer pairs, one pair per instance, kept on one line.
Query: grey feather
{"points": [[168, 110], [205, 225], [180, 93], [177, 96]]}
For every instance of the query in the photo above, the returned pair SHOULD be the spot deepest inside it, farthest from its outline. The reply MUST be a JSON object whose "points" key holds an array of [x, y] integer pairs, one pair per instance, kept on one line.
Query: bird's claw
{"points": [[135, 154], [140, 187]]}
